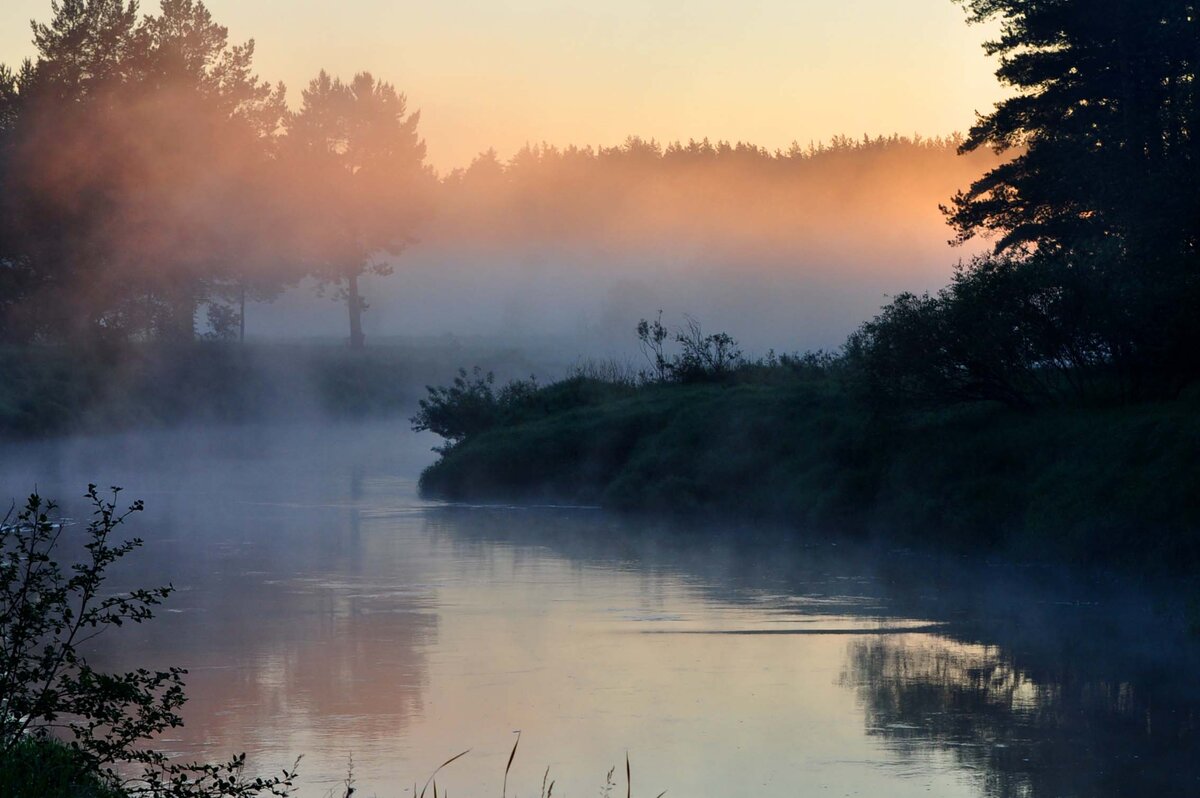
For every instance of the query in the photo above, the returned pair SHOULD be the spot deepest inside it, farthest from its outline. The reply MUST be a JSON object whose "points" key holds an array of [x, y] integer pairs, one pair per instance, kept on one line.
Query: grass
{"points": [[46, 768], [1086, 484]]}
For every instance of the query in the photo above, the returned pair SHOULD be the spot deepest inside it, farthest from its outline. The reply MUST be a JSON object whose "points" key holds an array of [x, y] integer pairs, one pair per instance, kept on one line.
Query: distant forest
{"points": [[738, 198]]}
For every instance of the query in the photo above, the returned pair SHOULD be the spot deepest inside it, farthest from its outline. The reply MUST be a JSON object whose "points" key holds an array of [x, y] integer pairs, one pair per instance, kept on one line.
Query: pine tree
{"points": [[1103, 127]]}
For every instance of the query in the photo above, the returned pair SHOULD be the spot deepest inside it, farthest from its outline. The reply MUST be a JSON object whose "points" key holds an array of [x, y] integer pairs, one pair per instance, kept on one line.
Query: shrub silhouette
{"points": [[102, 721]]}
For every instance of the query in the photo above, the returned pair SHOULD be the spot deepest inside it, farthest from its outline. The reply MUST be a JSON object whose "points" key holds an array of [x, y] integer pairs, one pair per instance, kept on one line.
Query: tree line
{"points": [[740, 200]]}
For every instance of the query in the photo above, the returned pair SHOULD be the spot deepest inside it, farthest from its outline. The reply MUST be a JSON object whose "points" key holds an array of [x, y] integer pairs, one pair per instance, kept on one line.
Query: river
{"points": [[323, 609]]}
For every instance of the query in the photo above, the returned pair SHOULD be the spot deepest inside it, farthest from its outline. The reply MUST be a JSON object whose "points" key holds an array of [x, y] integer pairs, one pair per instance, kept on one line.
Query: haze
{"points": [[570, 249]]}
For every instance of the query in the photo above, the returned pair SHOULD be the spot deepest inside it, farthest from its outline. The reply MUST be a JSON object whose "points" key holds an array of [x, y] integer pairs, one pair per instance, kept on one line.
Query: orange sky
{"points": [[503, 72]]}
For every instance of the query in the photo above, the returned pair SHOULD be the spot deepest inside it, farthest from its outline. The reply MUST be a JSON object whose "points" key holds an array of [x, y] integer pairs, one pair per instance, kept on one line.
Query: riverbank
{"points": [[1084, 484]]}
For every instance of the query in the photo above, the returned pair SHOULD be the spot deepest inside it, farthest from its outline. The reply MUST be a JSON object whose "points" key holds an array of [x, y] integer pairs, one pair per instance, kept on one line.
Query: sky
{"points": [[501, 73]]}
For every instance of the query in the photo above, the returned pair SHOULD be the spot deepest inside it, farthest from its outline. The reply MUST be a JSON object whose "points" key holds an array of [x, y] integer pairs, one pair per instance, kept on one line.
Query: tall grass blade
{"points": [[439, 768], [508, 767]]}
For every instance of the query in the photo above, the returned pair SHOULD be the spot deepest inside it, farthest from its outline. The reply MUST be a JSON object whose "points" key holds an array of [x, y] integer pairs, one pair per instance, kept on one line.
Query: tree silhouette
{"points": [[1096, 216], [1103, 124], [133, 147], [362, 191]]}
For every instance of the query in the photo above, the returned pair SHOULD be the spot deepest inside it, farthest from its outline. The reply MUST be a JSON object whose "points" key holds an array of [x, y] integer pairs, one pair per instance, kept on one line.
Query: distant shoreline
{"points": [[56, 390]]}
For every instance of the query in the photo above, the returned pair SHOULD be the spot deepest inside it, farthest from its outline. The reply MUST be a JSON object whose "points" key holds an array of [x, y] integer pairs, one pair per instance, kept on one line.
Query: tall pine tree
{"points": [[1103, 185]]}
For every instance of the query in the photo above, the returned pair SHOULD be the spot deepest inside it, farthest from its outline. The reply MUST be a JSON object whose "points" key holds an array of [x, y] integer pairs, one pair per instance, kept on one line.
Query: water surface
{"points": [[323, 609]]}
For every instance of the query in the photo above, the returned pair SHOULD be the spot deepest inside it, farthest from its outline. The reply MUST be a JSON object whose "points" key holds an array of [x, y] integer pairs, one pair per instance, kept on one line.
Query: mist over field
{"points": [[568, 250]]}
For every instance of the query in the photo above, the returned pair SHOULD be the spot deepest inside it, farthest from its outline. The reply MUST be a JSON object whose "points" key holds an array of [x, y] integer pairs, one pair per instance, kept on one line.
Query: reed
{"points": [[546, 790]]}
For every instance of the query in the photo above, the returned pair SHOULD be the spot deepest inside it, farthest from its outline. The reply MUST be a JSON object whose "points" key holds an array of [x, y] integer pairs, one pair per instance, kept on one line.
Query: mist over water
{"points": [[324, 610]]}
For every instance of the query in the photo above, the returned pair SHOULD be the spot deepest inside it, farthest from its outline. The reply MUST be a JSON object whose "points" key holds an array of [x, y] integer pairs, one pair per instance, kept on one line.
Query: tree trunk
{"points": [[355, 304]]}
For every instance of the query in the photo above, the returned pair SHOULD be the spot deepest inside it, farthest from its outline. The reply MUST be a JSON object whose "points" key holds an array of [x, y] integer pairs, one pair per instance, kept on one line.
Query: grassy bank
{"points": [[1086, 484]]}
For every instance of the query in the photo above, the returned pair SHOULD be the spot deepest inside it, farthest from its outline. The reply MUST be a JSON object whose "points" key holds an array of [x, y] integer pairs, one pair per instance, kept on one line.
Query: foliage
{"points": [[814, 364], [652, 338], [701, 357], [136, 172], [469, 405], [1102, 120], [48, 612], [46, 768], [144, 173], [1092, 292], [353, 152], [745, 201], [608, 370], [223, 322], [704, 357], [1031, 331], [985, 337], [465, 407], [1098, 203]]}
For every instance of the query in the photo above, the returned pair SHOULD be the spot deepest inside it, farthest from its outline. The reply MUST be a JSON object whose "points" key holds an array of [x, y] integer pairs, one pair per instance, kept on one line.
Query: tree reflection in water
{"points": [[1031, 727]]}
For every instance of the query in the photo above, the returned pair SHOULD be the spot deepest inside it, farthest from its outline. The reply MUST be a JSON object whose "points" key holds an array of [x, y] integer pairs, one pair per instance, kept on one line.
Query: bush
{"points": [[1030, 331], [103, 720], [702, 358], [466, 407], [48, 769], [470, 405]]}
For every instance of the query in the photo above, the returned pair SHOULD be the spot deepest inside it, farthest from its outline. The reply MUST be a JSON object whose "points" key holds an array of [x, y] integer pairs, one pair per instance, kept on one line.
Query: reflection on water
{"points": [[323, 609], [1065, 726]]}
